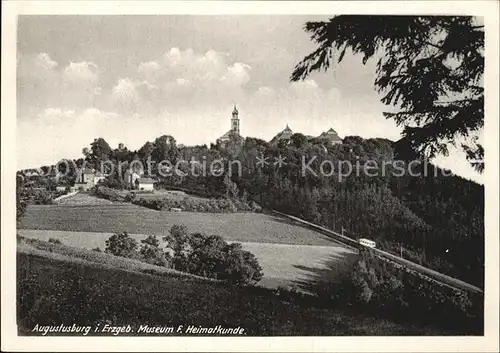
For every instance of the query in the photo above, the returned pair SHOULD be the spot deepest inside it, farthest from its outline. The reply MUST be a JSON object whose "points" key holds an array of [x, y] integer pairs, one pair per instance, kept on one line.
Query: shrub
{"points": [[151, 252], [97, 249], [21, 205], [389, 290], [196, 205], [55, 241], [109, 193], [211, 256], [42, 197], [121, 244], [177, 239], [240, 266]]}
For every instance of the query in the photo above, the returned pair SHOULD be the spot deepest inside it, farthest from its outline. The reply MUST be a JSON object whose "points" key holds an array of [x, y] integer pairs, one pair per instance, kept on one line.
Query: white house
{"points": [[146, 184]]}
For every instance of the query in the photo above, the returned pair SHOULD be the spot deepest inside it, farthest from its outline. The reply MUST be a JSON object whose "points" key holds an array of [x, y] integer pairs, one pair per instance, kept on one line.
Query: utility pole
{"points": [[423, 253]]}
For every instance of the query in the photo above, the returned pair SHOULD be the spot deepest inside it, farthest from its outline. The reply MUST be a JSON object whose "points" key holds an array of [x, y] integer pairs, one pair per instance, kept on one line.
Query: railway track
{"points": [[414, 267]]}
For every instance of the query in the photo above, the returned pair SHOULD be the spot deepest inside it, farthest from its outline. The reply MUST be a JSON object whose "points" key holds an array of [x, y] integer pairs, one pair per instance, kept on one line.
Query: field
{"points": [[64, 291], [171, 194], [82, 199], [283, 265], [116, 217], [290, 255]]}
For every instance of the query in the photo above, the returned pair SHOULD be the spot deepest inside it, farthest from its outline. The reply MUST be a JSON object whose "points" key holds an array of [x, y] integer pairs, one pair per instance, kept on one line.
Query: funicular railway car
{"points": [[367, 242]]}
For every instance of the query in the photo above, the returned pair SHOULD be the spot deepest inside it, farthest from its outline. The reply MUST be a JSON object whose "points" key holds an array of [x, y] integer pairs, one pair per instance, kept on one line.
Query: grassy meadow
{"points": [[62, 285], [118, 217]]}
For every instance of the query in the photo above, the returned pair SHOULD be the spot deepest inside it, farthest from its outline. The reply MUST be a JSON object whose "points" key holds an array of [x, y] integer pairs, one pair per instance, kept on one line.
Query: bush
{"points": [[196, 205], [388, 290], [21, 206], [241, 267], [97, 249], [29, 195], [121, 244], [109, 193], [151, 252], [211, 256], [196, 253], [55, 241]]}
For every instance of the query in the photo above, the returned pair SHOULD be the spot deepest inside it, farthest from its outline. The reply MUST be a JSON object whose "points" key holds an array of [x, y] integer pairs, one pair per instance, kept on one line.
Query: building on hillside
{"points": [[61, 188], [284, 135], [146, 184], [98, 176], [234, 133], [330, 136], [87, 178], [84, 179]]}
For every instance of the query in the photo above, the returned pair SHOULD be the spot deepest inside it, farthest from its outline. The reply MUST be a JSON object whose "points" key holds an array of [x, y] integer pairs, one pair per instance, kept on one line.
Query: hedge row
{"points": [[189, 204]]}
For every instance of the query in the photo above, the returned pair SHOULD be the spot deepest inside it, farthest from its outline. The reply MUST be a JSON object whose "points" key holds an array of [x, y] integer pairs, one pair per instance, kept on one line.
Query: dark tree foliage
{"points": [[121, 244], [429, 67], [151, 252], [211, 256], [21, 202], [99, 152]]}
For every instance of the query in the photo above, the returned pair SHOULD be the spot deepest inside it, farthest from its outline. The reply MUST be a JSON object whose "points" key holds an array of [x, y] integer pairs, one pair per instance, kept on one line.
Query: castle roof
{"points": [[330, 135], [286, 134]]}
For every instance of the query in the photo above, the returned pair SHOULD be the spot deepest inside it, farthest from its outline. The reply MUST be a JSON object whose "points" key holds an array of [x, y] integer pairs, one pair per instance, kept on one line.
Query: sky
{"points": [[131, 79]]}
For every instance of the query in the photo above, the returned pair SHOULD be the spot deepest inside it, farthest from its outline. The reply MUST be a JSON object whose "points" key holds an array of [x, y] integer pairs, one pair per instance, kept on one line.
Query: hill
{"points": [[411, 209], [55, 289]]}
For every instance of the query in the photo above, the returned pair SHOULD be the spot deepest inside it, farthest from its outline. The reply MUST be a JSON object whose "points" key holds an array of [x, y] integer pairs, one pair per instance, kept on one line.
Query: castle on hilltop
{"points": [[330, 137]]}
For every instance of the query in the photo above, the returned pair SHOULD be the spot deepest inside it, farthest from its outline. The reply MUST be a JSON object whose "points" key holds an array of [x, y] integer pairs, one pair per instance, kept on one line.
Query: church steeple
{"points": [[235, 121]]}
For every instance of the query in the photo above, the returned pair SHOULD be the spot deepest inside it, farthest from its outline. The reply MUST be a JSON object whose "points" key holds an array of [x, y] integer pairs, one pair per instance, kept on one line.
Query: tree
{"points": [[151, 252], [429, 67], [231, 187], [98, 153], [298, 140], [121, 244], [21, 203]]}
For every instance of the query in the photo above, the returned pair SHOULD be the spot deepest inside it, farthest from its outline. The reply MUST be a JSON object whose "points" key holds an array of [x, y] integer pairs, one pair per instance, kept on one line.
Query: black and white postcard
{"points": [[263, 176]]}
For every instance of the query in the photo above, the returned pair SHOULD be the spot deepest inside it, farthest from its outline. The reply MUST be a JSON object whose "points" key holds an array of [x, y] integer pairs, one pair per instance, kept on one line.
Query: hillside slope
{"points": [[61, 291]]}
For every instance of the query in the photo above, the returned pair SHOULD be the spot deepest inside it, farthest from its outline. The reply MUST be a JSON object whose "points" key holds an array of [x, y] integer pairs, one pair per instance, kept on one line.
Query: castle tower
{"points": [[235, 121]]}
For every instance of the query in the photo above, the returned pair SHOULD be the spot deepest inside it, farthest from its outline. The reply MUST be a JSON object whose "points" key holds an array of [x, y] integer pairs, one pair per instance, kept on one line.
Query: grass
{"points": [[68, 289], [83, 199], [64, 252], [244, 227], [174, 195], [283, 265]]}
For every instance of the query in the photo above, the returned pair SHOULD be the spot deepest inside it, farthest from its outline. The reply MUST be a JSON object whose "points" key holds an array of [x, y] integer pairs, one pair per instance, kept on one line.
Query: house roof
{"points": [[87, 171], [146, 181]]}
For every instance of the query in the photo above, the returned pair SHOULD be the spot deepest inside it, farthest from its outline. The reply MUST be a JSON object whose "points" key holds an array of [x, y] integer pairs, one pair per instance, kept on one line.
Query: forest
{"points": [[430, 217]]}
